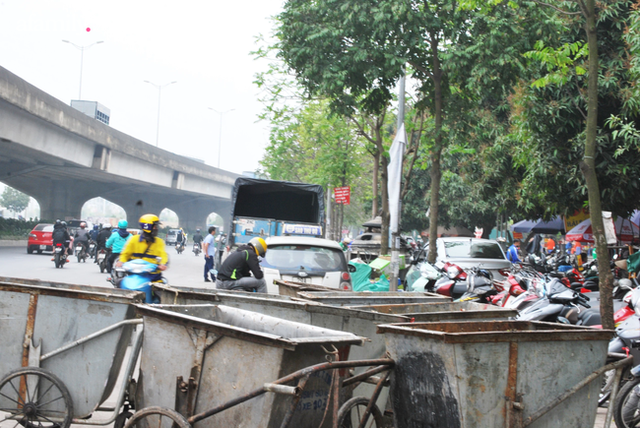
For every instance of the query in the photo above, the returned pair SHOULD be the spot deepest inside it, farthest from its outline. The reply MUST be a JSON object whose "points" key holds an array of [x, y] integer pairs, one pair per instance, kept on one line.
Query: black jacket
{"points": [[103, 235], [239, 265], [60, 234]]}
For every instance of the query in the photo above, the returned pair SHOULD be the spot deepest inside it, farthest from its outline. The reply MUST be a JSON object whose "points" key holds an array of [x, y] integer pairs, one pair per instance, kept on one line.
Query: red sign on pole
{"points": [[342, 195]]}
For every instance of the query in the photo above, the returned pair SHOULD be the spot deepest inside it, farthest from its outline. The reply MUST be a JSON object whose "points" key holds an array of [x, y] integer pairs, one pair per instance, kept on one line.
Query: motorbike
{"points": [[102, 257], [92, 249], [523, 287], [59, 256], [180, 247], [479, 286], [196, 249], [561, 304], [81, 252], [136, 275], [454, 281]]}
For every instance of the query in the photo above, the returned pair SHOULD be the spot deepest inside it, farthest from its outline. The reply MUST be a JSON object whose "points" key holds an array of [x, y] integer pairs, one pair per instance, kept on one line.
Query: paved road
{"points": [[185, 269]]}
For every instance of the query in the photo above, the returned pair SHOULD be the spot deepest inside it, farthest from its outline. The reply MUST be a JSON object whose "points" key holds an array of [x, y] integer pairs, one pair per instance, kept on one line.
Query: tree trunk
{"points": [[376, 172], [589, 171], [436, 172]]}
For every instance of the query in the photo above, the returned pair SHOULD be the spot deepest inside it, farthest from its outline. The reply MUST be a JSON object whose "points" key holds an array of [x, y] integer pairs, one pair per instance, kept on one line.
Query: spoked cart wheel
{"points": [[352, 412], [34, 398], [157, 417]]}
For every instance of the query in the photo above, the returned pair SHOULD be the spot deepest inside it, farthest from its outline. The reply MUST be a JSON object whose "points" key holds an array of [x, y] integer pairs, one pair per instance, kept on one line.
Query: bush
{"points": [[11, 228]]}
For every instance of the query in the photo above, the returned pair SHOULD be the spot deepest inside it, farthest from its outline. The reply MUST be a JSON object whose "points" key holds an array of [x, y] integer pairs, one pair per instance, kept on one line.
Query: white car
{"points": [[473, 252], [308, 260]]}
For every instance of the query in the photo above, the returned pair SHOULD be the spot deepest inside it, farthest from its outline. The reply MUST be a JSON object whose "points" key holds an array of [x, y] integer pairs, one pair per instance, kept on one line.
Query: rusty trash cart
{"points": [[63, 348], [212, 366], [502, 374]]}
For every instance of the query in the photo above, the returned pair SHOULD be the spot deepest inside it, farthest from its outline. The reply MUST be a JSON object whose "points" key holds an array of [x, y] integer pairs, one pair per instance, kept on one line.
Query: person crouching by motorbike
{"points": [[147, 246], [60, 235], [235, 272], [101, 240], [116, 242]]}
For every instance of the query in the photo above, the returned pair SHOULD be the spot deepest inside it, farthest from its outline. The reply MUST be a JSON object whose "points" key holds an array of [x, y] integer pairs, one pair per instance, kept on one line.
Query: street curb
{"points": [[9, 243]]}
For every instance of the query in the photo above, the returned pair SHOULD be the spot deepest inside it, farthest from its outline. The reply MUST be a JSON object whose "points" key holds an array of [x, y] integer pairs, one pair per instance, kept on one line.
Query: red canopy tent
{"points": [[623, 229]]}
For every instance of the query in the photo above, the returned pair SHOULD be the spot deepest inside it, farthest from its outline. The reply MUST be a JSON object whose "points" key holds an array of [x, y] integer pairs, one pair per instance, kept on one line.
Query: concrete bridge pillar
{"points": [[137, 204], [193, 213], [58, 199]]}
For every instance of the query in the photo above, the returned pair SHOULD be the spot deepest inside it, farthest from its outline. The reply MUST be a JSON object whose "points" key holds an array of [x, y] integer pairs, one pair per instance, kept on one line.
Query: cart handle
{"points": [[89, 337]]}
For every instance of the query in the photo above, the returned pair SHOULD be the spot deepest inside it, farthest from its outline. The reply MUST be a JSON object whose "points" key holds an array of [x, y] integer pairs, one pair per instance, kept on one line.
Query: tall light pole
{"points": [[220, 113], [82, 48], [159, 87]]}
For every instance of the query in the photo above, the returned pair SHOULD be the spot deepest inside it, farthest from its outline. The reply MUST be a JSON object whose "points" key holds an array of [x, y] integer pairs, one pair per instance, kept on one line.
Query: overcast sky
{"points": [[202, 45]]}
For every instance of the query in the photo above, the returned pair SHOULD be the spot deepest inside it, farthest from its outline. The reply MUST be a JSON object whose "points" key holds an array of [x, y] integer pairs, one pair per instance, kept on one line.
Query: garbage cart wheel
{"points": [[352, 410], [626, 412], [35, 398], [157, 417]]}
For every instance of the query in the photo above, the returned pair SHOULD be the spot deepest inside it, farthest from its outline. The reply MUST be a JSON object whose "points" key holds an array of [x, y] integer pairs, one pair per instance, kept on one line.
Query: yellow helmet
{"points": [[259, 245], [147, 223]]}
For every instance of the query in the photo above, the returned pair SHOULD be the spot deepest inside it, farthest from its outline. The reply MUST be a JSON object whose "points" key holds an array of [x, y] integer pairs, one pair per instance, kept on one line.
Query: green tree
{"points": [[14, 200]]}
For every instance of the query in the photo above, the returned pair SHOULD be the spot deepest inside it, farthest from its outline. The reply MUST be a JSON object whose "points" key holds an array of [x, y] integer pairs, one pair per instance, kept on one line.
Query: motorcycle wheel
{"points": [[626, 413], [102, 267], [56, 260]]}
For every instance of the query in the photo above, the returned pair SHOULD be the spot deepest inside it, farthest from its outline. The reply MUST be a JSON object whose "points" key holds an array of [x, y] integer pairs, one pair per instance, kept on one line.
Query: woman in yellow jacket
{"points": [[147, 246]]}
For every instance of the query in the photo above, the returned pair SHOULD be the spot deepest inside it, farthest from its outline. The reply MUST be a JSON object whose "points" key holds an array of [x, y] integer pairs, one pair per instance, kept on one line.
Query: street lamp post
{"points": [[220, 113], [82, 48], [159, 87]]}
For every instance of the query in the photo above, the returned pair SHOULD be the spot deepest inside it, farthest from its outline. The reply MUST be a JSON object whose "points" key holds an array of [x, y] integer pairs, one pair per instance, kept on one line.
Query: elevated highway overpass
{"points": [[63, 158]]}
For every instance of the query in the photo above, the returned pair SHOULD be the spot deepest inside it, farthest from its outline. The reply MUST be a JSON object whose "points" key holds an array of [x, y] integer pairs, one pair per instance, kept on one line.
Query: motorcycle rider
{"points": [[180, 238], [60, 235], [82, 236], [116, 242], [197, 238], [101, 239], [147, 246], [235, 272]]}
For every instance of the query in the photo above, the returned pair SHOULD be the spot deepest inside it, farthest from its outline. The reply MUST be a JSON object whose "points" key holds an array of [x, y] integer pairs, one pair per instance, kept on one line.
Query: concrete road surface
{"points": [[185, 269]]}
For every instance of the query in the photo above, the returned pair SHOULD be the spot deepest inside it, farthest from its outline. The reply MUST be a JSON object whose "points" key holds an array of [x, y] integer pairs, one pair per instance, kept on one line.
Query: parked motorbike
{"points": [[59, 256], [561, 304], [522, 288], [479, 286], [135, 275], [102, 257], [196, 249], [454, 281]]}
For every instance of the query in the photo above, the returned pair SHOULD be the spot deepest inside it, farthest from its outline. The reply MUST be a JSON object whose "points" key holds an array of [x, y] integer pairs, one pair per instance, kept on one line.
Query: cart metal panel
{"points": [[51, 317], [230, 352], [493, 373], [445, 311], [348, 298]]}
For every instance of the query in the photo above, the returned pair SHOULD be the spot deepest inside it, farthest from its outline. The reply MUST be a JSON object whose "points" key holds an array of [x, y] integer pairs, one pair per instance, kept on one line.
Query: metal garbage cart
{"points": [[353, 298], [495, 373], [445, 311], [359, 322], [63, 347], [292, 289], [197, 357]]}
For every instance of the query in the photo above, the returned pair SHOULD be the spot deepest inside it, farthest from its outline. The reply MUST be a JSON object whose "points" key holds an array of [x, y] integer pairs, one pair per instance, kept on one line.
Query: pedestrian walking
{"points": [[209, 249]]}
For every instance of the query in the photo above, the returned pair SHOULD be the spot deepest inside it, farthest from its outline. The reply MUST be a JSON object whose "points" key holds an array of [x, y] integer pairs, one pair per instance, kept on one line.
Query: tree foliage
{"points": [[14, 200]]}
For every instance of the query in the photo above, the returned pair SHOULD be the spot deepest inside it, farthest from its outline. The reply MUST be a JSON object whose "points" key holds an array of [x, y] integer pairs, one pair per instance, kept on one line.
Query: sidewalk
{"points": [[601, 417], [7, 243]]}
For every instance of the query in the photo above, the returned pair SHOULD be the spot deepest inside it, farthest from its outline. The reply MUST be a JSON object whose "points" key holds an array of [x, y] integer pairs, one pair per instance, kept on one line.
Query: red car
{"points": [[40, 238]]}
